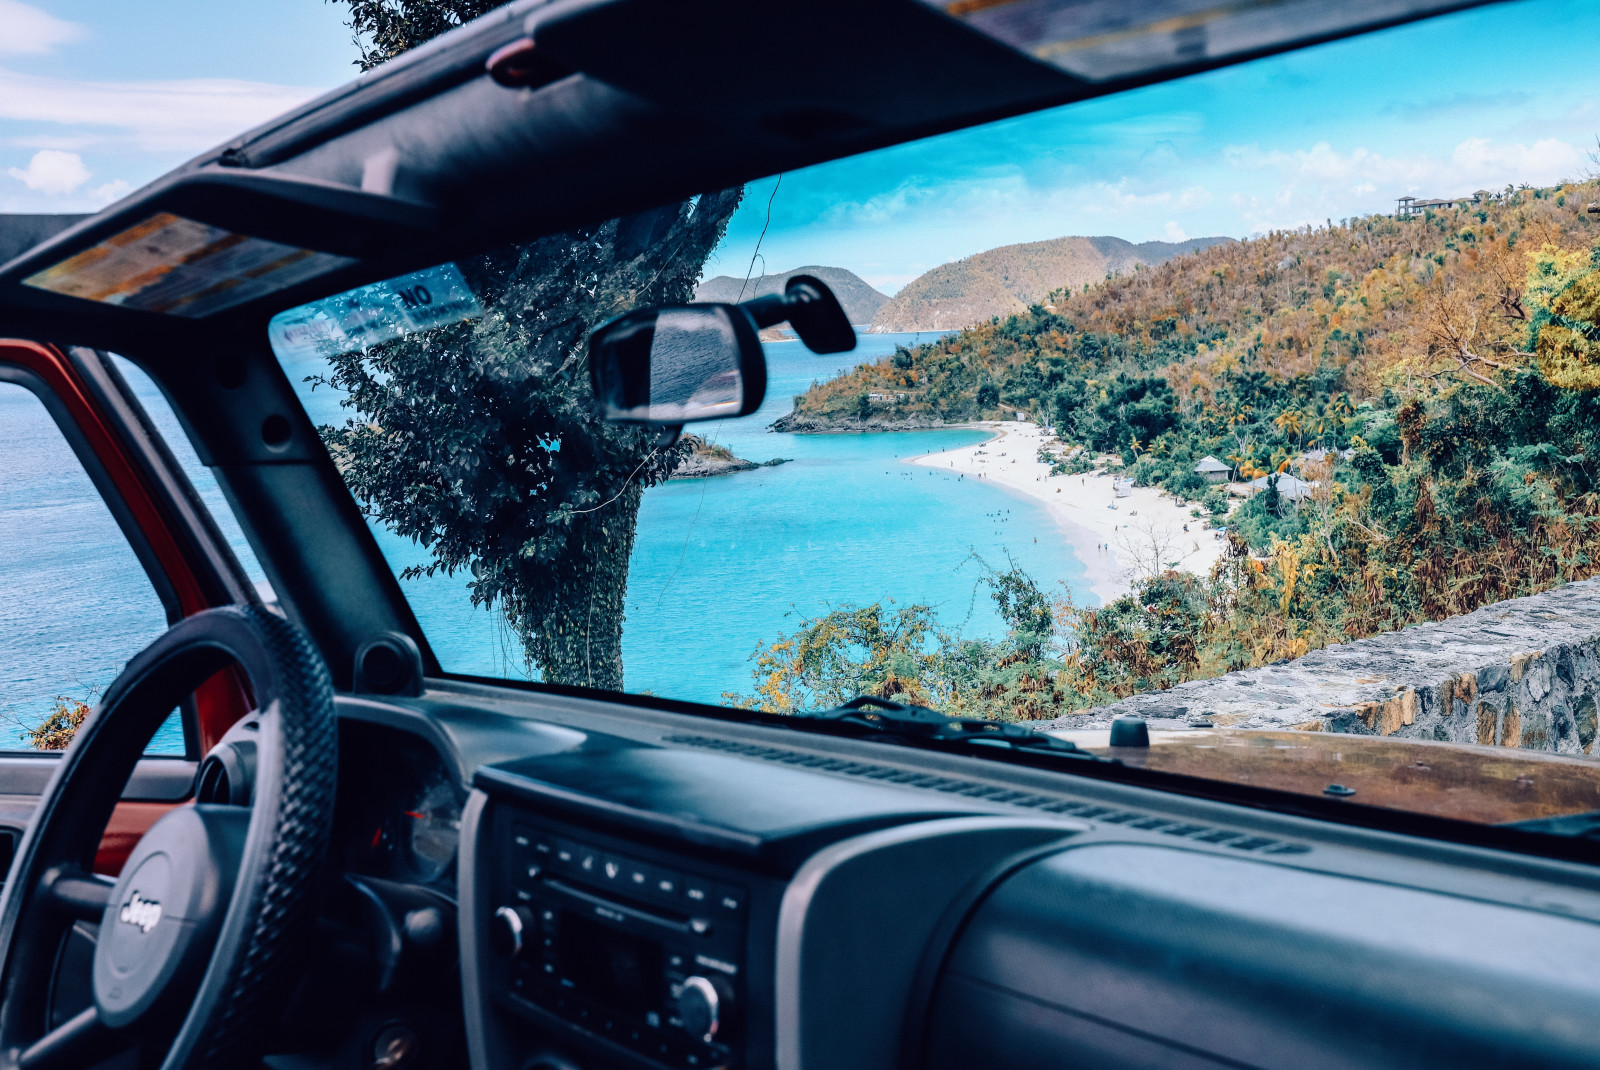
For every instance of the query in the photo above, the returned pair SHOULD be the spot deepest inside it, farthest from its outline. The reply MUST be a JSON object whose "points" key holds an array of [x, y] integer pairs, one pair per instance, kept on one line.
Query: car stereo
{"points": [[632, 953]]}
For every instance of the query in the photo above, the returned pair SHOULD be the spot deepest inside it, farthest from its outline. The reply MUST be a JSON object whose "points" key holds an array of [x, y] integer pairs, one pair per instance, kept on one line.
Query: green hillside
{"points": [[1436, 377]]}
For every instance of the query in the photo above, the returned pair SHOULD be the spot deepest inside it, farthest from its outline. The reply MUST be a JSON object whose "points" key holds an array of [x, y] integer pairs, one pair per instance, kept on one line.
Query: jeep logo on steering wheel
{"points": [[141, 912]]}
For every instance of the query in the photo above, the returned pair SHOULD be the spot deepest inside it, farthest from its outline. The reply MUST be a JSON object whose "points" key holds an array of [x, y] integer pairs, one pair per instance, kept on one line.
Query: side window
{"points": [[75, 603]]}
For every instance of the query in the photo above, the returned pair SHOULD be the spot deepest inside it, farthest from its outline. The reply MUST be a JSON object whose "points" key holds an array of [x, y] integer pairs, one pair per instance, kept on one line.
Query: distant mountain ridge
{"points": [[1008, 279], [861, 302]]}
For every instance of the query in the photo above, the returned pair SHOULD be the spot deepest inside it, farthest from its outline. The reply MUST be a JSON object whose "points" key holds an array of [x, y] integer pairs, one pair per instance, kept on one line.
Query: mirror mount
{"points": [[811, 310]]}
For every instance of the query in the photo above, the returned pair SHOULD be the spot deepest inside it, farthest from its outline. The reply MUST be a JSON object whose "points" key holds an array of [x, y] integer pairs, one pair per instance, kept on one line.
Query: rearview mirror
{"points": [[681, 363]]}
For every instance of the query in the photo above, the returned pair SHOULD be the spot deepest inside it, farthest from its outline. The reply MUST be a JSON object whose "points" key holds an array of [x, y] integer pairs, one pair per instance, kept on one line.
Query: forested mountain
{"points": [[1449, 363], [860, 300], [1009, 279]]}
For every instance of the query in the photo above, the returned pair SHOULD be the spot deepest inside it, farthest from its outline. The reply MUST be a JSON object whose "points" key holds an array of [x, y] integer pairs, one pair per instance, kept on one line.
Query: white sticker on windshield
{"points": [[368, 315]]}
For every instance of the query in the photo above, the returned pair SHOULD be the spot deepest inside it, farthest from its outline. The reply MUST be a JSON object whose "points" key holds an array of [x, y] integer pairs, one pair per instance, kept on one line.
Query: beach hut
{"points": [[1291, 488], [1122, 488], [1212, 470]]}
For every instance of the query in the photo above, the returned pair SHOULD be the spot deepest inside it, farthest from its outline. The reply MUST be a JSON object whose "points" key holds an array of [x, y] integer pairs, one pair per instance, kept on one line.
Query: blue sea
{"points": [[725, 564], [721, 566], [75, 604]]}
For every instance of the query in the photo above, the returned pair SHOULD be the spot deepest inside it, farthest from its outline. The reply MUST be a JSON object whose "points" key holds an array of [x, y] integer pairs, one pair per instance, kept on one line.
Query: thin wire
{"points": [[759, 240], [625, 484]]}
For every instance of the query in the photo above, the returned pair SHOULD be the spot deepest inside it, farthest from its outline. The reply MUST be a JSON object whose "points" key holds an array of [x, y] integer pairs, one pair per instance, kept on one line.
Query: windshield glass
{"points": [[1191, 380]]}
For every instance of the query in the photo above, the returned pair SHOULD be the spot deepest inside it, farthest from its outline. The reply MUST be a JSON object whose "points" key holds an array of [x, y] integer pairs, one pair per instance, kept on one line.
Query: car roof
{"points": [[612, 106]]}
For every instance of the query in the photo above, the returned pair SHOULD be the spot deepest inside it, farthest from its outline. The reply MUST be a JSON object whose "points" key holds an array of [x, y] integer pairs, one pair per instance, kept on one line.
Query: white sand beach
{"points": [[1146, 525]]}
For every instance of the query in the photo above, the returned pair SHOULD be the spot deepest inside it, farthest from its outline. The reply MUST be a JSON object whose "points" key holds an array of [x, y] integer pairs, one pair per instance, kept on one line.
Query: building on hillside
{"points": [[1212, 470], [1317, 456], [1290, 488], [1410, 206]]}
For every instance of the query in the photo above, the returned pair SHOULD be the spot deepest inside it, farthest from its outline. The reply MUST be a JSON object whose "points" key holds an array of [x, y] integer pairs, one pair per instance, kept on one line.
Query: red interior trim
{"points": [[129, 822], [221, 700]]}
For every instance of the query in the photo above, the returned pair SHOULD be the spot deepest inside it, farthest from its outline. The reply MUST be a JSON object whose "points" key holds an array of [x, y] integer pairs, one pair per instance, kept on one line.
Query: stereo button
{"points": [[730, 900], [509, 931], [705, 1005], [697, 891]]}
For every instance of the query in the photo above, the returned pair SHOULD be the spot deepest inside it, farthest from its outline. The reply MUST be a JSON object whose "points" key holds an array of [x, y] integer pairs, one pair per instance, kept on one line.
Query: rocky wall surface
{"points": [[1523, 673]]}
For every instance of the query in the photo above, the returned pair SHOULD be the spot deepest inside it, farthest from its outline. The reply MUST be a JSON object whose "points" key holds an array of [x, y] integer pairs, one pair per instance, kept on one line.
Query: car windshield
{"points": [[1192, 380]]}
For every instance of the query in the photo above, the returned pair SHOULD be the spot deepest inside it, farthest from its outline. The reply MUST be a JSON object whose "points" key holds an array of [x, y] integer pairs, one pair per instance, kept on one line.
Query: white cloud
{"points": [[52, 171], [1545, 162], [1323, 163], [183, 116], [29, 31], [114, 190], [1175, 232], [1475, 163]]}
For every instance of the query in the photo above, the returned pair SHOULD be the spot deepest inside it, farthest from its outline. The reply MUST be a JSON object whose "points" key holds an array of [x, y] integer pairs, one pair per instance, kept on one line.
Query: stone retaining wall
{"points": [[1523, 673]]}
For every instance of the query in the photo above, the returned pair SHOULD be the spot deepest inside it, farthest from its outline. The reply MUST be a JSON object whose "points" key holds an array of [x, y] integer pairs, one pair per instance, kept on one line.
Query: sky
{"points": [[98, 97]]}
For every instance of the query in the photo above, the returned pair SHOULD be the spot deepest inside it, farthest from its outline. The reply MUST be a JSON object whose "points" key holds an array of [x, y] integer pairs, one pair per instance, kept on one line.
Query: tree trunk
{"points": [[575, 635]]}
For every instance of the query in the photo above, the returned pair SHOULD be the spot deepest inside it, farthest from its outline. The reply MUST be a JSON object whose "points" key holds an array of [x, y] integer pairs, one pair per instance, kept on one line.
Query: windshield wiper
{"points": [[887, 719]]}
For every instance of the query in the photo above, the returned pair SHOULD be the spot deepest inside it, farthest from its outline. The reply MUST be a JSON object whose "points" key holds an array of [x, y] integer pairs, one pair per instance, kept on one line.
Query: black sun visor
{"points": [[1116, 40]]}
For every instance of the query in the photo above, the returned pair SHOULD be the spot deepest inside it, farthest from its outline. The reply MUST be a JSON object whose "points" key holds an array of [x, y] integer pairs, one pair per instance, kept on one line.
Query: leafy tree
{"points": [[1025, 609], [1271, 499], [904, 654], [1138, 409], [480, 440], [386, 28], [59, 726], [1567, 332]]}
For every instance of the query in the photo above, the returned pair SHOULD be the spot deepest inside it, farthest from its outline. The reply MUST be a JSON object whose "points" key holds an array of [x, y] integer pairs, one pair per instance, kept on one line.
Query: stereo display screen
{"points": [[617, 969]]}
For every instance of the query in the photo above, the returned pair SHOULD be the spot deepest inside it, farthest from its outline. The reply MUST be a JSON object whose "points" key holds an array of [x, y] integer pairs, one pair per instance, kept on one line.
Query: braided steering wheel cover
{"points": [[274, 895]]}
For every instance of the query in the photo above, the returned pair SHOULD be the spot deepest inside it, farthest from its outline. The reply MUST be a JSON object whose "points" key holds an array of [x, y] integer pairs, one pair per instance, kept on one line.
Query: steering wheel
{"points": [[196, 933]]}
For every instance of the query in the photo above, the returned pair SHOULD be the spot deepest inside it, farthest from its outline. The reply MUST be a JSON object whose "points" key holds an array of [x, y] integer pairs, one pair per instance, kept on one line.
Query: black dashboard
{"points": [[641, 889]]}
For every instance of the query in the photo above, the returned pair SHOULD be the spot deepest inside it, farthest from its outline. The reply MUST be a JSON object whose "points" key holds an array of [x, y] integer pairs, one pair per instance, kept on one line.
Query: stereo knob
{"points": [[510, 930], [705, 1005]]}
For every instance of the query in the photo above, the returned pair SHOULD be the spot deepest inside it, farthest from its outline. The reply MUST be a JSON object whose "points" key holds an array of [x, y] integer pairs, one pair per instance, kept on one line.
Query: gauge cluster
{"points": [[399, 811]]}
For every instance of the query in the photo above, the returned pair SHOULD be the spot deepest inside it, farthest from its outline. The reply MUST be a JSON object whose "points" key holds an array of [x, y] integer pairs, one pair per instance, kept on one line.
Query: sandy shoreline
{"points": [[1138, 527]]}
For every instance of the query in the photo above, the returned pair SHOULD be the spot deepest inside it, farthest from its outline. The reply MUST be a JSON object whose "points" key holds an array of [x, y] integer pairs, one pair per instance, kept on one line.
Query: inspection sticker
{"points": [[181, 267], [368, 315]]}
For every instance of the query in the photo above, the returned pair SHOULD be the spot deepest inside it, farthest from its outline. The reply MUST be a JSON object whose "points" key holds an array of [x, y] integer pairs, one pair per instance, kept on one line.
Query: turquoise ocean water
{"points": [[75, 604], [724, 564]]}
